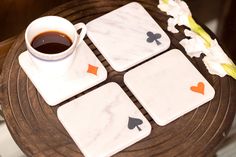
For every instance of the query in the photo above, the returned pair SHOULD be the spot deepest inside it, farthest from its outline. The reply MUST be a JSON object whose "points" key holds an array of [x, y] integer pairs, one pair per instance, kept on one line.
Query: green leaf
{"points": [[166, 1], [200, 31], [230, 69]]}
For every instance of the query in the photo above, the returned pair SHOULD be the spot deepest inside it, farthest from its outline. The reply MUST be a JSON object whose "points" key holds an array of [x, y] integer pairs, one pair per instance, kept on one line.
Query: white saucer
{"points": [[126, 36], [55, 90]]}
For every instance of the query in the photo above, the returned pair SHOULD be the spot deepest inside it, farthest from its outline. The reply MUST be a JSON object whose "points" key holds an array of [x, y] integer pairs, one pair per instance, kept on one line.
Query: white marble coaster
{"points": [[104, 121], [127, 36], [169, 86], [86, 72]]}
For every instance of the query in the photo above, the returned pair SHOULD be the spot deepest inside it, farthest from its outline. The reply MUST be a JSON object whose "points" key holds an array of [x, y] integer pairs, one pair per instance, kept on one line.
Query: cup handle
{"points": [[83, 31]]}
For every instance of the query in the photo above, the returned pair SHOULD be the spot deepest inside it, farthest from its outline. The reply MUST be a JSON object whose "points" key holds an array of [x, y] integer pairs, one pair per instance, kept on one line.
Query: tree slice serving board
{"points": [[36, 129]]}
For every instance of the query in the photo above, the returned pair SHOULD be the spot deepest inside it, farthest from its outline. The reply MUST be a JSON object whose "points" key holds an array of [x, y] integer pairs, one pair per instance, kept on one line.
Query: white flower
{"points": [[198, 41], [215, 58], [180, 12], [195, 45]]}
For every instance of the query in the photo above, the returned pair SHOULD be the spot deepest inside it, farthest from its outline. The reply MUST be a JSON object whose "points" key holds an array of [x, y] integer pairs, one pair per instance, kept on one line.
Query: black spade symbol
{"points": [[134, 122], [153, 37]]}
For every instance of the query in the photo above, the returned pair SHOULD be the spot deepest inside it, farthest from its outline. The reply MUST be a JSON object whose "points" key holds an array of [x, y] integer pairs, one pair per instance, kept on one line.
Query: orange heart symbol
{"points": [[200, 88]]}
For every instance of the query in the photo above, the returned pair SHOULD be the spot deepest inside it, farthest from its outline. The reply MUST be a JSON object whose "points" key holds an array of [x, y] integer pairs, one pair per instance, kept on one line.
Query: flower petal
{"points": [[193, 46], [214, 67]]}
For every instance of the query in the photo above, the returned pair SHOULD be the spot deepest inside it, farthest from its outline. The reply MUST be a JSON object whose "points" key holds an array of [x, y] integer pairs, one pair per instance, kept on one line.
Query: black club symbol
{"points": [[153, 37]]}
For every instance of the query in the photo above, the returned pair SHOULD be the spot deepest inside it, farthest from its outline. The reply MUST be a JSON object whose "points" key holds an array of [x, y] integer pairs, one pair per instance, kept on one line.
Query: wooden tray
{"points": [[36, 129]]}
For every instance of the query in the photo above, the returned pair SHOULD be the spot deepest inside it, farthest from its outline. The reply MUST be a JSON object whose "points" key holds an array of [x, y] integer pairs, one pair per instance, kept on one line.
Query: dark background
{"points": [[15, 15]]}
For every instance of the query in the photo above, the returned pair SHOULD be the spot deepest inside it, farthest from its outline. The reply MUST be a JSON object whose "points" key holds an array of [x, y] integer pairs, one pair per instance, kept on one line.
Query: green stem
{"points": [[166, 1], [200, 31], [230, 69]]}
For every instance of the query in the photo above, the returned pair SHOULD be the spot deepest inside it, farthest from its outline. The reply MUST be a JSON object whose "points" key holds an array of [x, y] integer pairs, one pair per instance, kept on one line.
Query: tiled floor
{"points": [[8, 148], [228, 150]]}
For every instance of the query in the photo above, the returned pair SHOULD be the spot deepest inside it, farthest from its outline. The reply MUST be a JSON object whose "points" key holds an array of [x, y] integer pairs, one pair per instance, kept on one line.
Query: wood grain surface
{"points": [[36, 129]]}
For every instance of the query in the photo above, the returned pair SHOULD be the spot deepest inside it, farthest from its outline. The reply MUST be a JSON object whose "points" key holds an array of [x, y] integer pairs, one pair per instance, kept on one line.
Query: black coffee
{"points": [[51, 42]]}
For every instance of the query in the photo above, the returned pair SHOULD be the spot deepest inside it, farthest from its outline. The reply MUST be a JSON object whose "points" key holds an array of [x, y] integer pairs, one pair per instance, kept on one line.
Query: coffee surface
{"points": [[51, 42]]}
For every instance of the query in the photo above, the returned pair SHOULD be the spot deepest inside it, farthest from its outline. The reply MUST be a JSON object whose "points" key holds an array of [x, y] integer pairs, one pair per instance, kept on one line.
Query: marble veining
{"points": [[53, 89], [98, 121], [121, 36], [163, 86]]}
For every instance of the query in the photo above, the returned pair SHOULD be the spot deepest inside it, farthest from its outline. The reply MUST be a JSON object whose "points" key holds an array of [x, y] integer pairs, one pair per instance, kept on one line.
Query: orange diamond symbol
{"points": [[92, 69]]}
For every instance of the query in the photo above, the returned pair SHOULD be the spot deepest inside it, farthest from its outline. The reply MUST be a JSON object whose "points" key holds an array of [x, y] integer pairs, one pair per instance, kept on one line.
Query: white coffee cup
{"points": [[59, 63]]}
